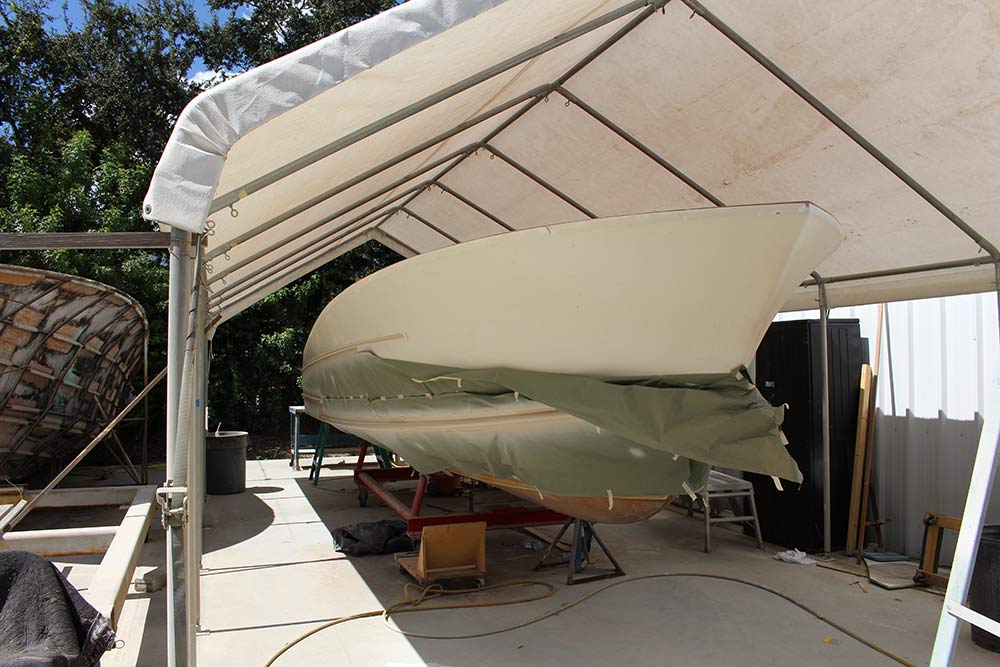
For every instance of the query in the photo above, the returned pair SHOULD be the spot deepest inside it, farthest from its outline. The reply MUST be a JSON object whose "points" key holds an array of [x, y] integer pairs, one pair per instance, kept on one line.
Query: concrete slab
{"points": [[271, 574], [268, 584]]}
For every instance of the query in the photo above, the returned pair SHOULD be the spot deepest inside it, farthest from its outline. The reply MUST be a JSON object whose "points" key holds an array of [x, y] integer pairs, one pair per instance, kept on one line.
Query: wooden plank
{"points": [[870, 444], [61, 541], [949, 522], [866, 477], [860, 438], [97, 496], [85, 240], [9, 511], [928, 559], [114, 576]]}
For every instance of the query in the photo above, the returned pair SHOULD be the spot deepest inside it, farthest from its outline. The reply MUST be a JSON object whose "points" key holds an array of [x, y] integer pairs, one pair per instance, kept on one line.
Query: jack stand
{"points": [[579, 556]]}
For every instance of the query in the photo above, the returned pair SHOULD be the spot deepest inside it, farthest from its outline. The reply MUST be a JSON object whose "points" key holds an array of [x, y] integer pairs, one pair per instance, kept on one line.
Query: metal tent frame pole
{"points": [[824, 350], [228, 199], [231, 306], [979, 490], [540, 181], [402, 157], [638, 145], [145, 414], [389, 241], [295, 257], [178, 304], [842, 125], [195, 457], [650, 9], [430, 225], [473, 205], [417, 188], [180, 498], [953, 610], [971, 263], [528, 100]]}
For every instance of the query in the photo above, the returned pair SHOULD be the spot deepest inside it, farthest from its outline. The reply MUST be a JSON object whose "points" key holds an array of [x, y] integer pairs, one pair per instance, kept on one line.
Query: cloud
{"points": [[207, 78], [204, 76]]}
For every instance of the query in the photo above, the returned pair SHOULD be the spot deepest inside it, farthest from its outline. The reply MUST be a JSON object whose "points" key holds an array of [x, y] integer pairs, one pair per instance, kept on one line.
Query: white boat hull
{"points": [[652, 294], [660, 294]]}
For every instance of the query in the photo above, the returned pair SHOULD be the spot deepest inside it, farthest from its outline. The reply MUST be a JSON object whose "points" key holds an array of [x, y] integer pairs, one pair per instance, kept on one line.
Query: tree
{"points": [[259, 31], [84, 114], [25, 77]]}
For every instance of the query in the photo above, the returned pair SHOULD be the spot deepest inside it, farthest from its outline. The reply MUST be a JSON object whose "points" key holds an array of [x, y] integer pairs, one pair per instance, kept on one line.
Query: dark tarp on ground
{"points": [[377, 537], [44, 622]]}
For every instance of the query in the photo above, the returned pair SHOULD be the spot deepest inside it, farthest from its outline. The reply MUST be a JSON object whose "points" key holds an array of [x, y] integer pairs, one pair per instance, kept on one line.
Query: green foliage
{"points": [[257, 356], [26, 75], [260, 31], [84, 114]]}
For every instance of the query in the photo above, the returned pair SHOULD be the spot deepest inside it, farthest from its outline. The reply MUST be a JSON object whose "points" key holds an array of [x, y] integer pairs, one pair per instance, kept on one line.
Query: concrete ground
{"points": [[271, 574]]}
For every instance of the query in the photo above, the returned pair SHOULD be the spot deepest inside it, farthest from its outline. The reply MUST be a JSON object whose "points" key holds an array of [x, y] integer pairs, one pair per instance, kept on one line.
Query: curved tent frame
{"points": [[442, 121]]}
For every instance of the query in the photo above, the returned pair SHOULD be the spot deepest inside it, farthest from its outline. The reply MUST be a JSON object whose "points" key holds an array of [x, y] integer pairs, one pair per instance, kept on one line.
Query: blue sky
{"points": [[74, 14]]}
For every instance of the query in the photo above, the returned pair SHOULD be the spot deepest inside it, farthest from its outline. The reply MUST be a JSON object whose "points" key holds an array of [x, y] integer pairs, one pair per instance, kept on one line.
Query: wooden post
{"points": [[860, 440], [870, 443]]}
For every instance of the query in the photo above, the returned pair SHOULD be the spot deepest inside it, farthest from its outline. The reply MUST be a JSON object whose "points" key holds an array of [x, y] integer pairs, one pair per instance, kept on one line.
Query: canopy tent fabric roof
{"points": [[442, 121]]}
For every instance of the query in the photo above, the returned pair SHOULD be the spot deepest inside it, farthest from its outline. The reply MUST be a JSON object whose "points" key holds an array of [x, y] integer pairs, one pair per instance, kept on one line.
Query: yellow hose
{"points": [[412, 603]]}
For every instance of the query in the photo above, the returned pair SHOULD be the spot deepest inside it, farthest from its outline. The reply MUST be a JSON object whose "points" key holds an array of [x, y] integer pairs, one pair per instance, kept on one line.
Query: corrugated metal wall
{"points": [[934, 364]]}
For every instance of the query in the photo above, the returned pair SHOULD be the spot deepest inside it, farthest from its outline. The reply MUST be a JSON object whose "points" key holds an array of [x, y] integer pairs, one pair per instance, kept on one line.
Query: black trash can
{"points": [[226, 462], [984, 591]]}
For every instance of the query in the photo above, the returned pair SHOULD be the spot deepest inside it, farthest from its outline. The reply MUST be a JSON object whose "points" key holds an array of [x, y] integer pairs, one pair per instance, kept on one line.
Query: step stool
{"points": [[721, 485], [449, 551]]}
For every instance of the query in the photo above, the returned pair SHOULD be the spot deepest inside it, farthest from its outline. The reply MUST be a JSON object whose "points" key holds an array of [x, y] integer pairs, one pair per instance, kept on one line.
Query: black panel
{"points": [[789, 371]]}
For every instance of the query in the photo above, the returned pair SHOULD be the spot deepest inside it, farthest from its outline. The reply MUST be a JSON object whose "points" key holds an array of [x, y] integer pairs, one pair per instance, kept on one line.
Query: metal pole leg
{"points": [[291, 437], [708, 522], [295, 442], [576, 553], [756, 520], [824, 350], [552, 545], [178, 305]]}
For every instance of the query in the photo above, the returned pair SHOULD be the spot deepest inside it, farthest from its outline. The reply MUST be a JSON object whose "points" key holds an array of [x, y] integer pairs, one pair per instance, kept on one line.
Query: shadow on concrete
{"points": [[511, 555], [290, 581], [245, 516], [262, 490]]}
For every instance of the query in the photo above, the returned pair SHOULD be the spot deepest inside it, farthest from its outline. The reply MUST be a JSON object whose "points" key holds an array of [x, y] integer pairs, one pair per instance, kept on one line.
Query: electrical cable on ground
{"points": [[413, 604]]}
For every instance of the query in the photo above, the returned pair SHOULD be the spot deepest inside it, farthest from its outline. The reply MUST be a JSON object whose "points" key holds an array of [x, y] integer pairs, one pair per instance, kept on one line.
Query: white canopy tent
{"points": [[442, 121]]}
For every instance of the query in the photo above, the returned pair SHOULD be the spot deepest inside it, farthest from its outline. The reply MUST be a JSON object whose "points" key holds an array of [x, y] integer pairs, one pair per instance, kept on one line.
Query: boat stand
{"points": [[372, 480], [584, 536]]}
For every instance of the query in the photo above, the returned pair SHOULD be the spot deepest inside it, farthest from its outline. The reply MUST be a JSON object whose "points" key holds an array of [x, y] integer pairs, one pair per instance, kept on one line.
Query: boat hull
{"points": [[595, 510], [613, 301], [68, 347], [679, 292]]}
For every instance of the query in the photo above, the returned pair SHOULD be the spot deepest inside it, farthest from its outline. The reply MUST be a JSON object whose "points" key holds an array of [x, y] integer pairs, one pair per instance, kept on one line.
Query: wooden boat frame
{"points": [[69, 347]]}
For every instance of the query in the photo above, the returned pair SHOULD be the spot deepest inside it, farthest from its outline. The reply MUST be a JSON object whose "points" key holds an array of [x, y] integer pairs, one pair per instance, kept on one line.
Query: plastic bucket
{"points": [[984, 591], [226, 462]]}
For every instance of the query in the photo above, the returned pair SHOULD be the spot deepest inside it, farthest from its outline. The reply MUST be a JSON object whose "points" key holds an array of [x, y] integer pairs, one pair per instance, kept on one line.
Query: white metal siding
{"points": [[930, 396]]}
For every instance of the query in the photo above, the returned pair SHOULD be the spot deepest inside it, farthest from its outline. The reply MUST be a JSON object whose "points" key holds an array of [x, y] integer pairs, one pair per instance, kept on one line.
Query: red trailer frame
{"points": [[372, 480]]}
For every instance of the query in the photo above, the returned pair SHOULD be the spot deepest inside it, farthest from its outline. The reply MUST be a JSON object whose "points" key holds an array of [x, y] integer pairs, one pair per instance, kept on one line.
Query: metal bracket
{"points": [[171, 515]]}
